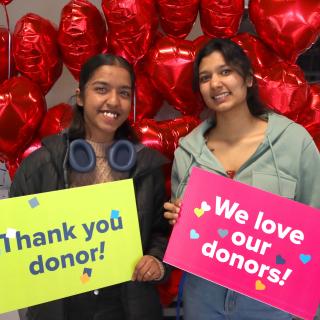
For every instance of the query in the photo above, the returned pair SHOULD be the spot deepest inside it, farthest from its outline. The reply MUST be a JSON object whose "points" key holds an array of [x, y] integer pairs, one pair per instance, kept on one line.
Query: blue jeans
{"points": [[204, 300]]}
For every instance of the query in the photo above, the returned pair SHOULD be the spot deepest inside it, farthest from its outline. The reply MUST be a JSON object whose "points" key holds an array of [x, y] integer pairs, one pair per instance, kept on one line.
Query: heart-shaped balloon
{"points": [[164, 135], [81, 35], [260, 55], [35, 50], [221, 18], [289, 27], [168, 290], [283, 87], [309, 116], [132, 26], [200, 42], [5, 2], [13, 165], [170, 68], [148, 98], [56, 120], [5, 73], [178, 16], [22, 106]]}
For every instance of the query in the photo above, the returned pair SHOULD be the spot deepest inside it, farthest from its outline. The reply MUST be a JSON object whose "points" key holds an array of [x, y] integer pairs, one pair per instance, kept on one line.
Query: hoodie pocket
{"points": [[270, 182]]}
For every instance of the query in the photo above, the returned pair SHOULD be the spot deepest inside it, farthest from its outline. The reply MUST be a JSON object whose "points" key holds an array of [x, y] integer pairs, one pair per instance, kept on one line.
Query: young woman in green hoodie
{"points": [[247, 142]]}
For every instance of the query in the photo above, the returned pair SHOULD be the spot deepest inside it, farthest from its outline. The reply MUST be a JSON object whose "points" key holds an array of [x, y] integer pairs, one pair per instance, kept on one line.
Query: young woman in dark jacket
{"points": [[104, 99]]}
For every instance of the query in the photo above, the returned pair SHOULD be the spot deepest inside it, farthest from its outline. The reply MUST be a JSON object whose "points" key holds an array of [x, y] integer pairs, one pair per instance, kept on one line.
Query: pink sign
{"points": [[251, 241]]}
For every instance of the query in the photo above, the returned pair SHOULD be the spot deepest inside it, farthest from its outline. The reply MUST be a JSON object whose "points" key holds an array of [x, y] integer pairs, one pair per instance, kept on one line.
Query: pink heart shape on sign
{"points": [[289, 27]]}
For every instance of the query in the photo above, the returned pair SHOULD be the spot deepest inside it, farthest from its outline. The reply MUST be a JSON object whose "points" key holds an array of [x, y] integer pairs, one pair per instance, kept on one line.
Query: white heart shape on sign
{"points": [[205, 206]]}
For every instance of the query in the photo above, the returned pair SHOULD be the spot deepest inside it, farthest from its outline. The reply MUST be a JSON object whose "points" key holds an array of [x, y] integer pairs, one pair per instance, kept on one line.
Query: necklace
{"points": [[206, 141]]}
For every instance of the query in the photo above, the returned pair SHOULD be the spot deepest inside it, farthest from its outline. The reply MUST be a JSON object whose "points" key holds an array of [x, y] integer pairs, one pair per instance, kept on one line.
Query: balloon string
{"points": [[9, 40], [134, 107]]}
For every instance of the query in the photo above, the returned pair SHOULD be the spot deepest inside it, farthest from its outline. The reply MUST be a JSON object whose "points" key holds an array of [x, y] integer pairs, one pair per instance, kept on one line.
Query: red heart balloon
{"points": [[178, 16], [289, 27], [260, 55], [4, 56], [221, 18], [35, 50], [5, 2], [22, 106], [170, 68], [81, 35], [148, 98], [132, 26], [13, 165], [309, 116], [283, 88], [200, 42], [164, 135], [56, 120]]}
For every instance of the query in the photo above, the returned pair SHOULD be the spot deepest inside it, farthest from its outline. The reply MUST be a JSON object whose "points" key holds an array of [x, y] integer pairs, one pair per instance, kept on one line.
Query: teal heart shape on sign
{"points": [[223, 232], [194, 234], [305, 258]]}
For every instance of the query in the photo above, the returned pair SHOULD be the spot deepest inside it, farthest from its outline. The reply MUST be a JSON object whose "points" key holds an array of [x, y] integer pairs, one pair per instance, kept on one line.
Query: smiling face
{"points": [[221, 86], [106, 101]]}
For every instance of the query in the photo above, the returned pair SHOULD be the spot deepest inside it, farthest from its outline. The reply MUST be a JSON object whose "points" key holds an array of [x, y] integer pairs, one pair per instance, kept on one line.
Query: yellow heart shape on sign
{"points": [[260, 286], [198, 212]]}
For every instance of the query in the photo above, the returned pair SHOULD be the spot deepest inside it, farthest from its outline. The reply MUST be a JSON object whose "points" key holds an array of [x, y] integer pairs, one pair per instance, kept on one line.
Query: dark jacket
{"points": [[45, 170]]}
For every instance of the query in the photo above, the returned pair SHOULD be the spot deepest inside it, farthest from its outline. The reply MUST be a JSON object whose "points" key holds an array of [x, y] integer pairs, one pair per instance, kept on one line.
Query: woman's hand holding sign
{"points": [[148, 268], [172, 210]]}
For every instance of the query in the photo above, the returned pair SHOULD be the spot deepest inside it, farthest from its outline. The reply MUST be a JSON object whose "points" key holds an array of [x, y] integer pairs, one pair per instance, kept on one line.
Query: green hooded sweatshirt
{"points": [[286, 163]]}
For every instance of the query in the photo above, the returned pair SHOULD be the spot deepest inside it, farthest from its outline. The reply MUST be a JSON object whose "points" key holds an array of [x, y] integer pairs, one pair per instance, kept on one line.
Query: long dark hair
{"points": [[236, 58], [77, 127]]}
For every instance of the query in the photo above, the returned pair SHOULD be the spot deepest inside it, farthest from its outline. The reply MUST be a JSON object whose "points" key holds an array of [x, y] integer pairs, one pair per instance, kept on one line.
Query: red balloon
{"points": [[170, 68], [13, 165], [22, 106], [168, 290], [283, 87], [260, 55], [164, 135], [35, 50], [132, 26], [148, 98], [82, 33], [178, 16], [289, 27], [309, 116], [5, 2], [221, 18], [56, 120], [200, 42], [4, 55]]}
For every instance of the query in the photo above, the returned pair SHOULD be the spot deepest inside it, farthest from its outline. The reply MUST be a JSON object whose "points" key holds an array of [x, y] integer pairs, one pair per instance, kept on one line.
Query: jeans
{"points": [[204, 300]]}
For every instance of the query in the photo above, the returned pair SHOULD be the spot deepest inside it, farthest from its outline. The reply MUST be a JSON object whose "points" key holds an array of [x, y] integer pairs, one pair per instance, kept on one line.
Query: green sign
{"points": [[61, 243]]}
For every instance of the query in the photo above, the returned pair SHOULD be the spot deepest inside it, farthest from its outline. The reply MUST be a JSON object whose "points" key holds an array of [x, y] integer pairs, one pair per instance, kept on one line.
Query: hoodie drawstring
{"points": [[65, 160], [275, 164], [186, 174]]}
